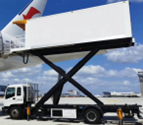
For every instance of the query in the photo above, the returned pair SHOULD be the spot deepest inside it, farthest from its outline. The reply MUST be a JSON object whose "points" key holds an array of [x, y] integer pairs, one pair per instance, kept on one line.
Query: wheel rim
{"points": [[91, 116], [15, 113]]}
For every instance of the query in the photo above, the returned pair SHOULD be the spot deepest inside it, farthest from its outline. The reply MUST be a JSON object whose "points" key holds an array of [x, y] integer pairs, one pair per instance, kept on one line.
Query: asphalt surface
{"points": [[108, 119]]}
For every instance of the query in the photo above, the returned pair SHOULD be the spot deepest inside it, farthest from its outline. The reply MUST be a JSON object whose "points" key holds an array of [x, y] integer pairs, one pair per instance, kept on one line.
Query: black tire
{"points": [[92, 116], [15, 113]]}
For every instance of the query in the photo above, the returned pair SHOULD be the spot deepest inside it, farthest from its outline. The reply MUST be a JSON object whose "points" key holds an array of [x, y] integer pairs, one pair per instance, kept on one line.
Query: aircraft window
{"points": [[19, 91], [10, 92]]}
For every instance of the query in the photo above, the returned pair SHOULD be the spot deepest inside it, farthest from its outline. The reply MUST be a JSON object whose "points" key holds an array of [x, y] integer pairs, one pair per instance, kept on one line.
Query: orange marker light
{"points": [[120, 114], [28, 111]]}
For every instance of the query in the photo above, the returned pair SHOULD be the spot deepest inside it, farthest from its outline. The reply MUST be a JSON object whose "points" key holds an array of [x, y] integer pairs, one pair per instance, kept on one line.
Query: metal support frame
{"points": [[58, 92], [68, 77]]}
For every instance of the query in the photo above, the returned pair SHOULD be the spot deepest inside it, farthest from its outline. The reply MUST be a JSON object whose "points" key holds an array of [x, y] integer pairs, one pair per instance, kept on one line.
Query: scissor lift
{"points": [[87, 112]]}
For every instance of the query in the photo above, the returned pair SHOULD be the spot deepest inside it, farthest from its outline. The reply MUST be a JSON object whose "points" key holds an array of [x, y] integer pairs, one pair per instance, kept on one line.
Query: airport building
{"points": [[2, 90], [71, 93], [121, 94], [74, 93]]}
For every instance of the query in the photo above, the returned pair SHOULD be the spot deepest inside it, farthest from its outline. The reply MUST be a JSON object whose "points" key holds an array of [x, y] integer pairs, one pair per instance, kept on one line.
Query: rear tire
{"points": [[92, 116], [15, 113]]}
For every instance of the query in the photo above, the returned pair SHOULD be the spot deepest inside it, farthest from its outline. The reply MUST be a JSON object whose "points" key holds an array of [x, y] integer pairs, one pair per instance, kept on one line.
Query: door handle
{"points": [[13, 98]]}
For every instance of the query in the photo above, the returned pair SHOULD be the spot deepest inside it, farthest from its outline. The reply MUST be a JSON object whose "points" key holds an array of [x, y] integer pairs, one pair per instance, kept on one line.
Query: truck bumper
{"points": [[4, 110]]}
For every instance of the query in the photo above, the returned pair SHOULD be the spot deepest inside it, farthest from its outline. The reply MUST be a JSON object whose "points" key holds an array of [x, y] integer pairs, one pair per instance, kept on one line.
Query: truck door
{"points": [[10, 97], [14, 95], [19, 96]]}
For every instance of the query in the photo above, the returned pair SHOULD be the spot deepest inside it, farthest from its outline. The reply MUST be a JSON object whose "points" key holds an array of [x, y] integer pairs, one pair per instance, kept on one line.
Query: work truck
{"points": [[18, 98]]}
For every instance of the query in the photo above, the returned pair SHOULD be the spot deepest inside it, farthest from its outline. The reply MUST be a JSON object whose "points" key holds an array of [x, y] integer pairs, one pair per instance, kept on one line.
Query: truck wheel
{"points": [[15, 113], [92, 116]]}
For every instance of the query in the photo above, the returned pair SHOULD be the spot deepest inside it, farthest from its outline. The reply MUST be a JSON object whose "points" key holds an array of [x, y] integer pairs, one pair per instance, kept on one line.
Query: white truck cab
{"points": [[15, 94], [17, 97]]}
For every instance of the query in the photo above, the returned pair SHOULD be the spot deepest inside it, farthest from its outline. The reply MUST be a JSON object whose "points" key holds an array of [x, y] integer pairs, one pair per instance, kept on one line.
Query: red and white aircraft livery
{"points": [[33, 10]]}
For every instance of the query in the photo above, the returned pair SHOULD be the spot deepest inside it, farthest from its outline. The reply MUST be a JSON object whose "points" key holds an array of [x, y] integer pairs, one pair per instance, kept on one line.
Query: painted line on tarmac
{"points": [[113, 100]]}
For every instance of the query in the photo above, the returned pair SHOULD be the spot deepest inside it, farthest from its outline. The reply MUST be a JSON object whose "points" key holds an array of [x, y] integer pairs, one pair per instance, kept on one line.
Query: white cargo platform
{"points": [[96, 24]]}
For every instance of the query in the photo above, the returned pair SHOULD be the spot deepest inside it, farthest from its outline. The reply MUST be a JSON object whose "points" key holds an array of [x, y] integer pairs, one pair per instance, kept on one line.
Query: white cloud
{"points": [[92, 70], [7, 75], [129, 72], [16, 80], [126, 82], [5, 80], [26, 80], [50, 73], [34, 70], [126, 55], [111, 1], [93, 77], [98, 71]]}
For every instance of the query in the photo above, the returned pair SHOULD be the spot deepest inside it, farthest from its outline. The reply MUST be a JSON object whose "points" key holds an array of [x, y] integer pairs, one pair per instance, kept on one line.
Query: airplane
{"points": [[13, 61], [33, 10]]}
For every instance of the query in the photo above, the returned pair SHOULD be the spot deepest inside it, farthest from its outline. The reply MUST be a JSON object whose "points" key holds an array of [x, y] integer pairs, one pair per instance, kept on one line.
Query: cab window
{"points": [[10, 93], [18, 91]]}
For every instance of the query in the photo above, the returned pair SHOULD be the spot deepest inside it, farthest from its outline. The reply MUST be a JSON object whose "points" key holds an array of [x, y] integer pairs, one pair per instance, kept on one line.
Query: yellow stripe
{"points": [[113, 100], [20, 22]]}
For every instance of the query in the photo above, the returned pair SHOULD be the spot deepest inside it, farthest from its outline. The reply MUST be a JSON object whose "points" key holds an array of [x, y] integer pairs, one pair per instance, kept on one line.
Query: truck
{"points": [[20, 96]]}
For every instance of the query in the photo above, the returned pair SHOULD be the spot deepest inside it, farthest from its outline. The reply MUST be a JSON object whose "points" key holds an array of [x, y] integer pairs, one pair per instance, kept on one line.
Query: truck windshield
{"points": [[10, 92]]}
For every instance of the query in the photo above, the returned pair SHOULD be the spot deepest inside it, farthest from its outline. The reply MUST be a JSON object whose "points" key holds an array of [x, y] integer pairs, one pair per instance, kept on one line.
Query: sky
{"points": [[114, 71]]}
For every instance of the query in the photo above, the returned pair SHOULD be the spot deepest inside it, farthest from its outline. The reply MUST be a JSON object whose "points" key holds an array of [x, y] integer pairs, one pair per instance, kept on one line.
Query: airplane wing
{"points": [[16, 62]]}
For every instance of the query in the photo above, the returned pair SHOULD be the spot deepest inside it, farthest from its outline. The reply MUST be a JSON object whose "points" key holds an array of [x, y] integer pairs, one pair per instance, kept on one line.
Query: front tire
{"points": [[92, 116], [15, 113]]}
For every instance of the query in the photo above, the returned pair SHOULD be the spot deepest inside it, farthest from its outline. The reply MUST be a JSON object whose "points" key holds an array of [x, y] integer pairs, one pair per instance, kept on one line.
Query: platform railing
{"points": [[18, 42], [32, 92]]}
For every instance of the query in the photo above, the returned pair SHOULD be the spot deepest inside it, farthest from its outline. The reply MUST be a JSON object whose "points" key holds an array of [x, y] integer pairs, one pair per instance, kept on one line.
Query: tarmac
{"points": [[108, 119]]}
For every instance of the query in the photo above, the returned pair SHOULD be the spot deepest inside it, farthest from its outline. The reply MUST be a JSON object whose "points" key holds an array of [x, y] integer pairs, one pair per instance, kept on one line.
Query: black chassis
{"points": [[55, 92]]}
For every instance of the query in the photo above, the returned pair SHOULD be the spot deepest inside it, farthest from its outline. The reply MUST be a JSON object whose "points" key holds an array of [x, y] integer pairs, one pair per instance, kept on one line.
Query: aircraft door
{"points": [[1, 44]]}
